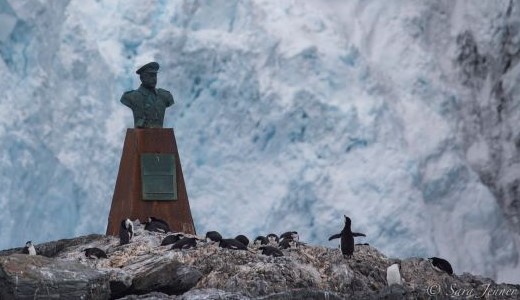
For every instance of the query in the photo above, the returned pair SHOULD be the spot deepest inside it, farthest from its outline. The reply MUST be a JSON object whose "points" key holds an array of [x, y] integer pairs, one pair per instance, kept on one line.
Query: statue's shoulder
{"points": [[129, 93], [163, 92], [166, 96], [128, 96]]}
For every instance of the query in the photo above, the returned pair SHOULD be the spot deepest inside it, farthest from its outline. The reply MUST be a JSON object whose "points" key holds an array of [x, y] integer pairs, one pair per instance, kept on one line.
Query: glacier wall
{"points": [[288, 115]]}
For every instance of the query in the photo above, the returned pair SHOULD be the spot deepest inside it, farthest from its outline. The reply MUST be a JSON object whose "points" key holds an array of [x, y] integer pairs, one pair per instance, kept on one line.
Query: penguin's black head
{"points": [[348, 222], [213, 236], [273, 238], [261, 240], [129, 225], [28, 244]]}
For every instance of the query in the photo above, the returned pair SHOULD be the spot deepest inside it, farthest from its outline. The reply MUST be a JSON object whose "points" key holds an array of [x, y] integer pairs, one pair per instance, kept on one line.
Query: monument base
{"points": [[128, 202]]}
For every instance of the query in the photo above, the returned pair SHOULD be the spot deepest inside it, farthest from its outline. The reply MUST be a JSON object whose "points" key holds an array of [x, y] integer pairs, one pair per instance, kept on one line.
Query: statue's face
{"points": [[148, 79]]}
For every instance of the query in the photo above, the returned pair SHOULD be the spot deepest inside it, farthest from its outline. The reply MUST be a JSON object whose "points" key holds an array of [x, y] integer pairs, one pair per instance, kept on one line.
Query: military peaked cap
{"points": [[151, 67]]}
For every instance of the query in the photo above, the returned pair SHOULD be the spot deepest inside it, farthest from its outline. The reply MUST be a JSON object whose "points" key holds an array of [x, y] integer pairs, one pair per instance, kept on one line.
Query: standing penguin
{"points": [[393, 276], [29, 248], [347, 238], [126, 232]]}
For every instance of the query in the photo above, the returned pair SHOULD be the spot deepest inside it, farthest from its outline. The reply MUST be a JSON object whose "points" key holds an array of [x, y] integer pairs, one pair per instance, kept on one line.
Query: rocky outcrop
{"points": [[145, 270], [38, 277]]}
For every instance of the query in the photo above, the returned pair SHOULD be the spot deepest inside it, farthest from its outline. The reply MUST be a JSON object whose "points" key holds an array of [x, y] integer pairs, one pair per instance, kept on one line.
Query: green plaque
{"points": [[158, 176]]}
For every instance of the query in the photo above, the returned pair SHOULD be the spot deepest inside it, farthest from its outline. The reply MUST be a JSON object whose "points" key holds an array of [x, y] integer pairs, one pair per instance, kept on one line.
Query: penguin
{"points": [[184, 243], [95, 252], [261, 240], [232, 244], [29, 248], [441, 264], [213, 237], [393, 276], [126, 232], [171, 239], [287, 243], [243, 239], [156, 225], [272, 238], [347, 238], [271, 251], [290, 234]]}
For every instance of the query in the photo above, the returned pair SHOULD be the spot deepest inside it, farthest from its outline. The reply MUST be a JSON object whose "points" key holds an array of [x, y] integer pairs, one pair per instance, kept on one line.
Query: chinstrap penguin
{"points": [[347, 238], [171, 239], [126, 232], [213, 237], [290, 234], [156, 225], [441, 265], [184, 243], [271, 251], [95, 253], [232, 244], [261, 240], [243, 239], [288, 243], [393, 276], [29, 248], [273, 239]]}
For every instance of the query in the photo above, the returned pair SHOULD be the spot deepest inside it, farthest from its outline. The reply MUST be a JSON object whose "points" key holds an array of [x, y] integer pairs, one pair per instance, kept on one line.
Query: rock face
{"points": [[38, 277], [145, 270]]}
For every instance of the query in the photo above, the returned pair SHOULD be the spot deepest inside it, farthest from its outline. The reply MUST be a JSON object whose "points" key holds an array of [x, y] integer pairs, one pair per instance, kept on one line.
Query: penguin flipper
{"points": [[336, 236], [358, 234]]}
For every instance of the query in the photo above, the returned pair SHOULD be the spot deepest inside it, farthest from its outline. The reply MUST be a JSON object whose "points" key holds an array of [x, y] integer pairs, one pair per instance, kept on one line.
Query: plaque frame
{"points": [[158, 177]]}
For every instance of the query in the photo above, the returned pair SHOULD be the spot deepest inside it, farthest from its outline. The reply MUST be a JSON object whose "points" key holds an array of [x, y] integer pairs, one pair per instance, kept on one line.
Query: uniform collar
{"points": [[145, 90]]}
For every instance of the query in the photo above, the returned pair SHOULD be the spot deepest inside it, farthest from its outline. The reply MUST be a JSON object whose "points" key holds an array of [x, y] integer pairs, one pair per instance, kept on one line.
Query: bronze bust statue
{"points": [[148, 103]]}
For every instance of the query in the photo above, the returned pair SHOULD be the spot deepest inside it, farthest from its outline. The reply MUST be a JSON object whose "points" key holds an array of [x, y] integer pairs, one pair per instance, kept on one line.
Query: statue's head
{"points": [[148, 74]]}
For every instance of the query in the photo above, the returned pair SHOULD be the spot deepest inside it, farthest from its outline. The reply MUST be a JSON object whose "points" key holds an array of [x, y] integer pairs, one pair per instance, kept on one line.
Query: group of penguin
{"points": [[270, 245]]}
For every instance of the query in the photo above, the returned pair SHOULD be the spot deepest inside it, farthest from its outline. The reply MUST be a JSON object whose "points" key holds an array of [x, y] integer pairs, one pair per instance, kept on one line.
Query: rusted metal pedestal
{"points": [[128, 200]]}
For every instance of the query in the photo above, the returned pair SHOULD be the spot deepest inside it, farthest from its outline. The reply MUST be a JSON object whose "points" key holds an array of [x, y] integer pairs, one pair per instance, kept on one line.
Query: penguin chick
{"points": [[156, 225], [441, 264], [95, 253], [271, 251], [29, 248], [126, 232]]}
